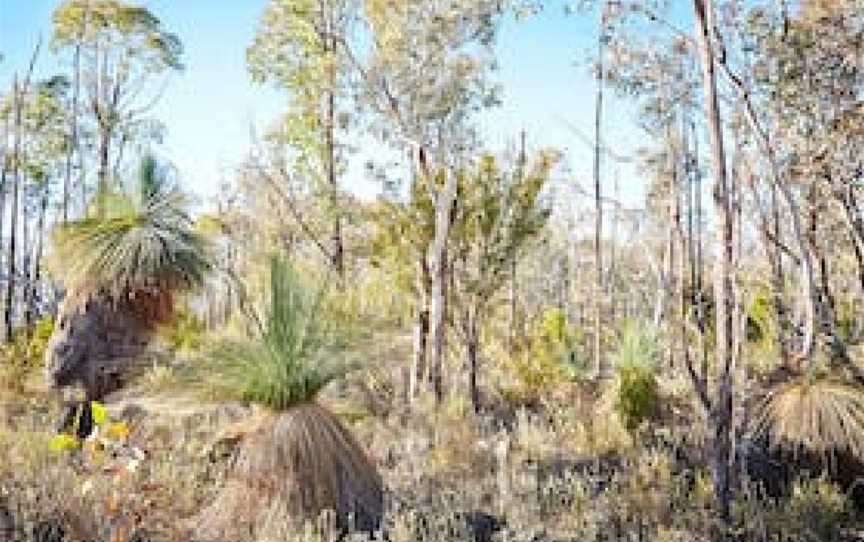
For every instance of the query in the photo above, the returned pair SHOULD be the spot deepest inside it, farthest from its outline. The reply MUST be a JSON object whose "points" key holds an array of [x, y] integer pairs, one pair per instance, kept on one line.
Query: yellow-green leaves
{"points": [[63, 443], [100, 414], [108, 429], [133, 31]]}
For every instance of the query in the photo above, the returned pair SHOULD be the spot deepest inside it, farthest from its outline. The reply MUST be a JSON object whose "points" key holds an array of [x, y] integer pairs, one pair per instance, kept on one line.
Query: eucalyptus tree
{"points": [[44, 122], [500, 210], [424, 76], [125, 53], [297, 48]]}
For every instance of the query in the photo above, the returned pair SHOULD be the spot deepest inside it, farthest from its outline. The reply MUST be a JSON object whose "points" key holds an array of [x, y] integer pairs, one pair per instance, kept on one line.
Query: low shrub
{"points": [[635, 367]]}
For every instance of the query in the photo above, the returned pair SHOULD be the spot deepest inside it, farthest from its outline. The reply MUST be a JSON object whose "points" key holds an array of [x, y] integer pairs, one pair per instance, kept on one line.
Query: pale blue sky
{"points": [[209, 107]]}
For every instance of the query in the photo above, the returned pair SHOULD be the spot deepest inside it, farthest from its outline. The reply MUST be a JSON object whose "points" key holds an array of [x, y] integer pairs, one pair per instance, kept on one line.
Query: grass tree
{"points": [[120, 272], [297, 460]]}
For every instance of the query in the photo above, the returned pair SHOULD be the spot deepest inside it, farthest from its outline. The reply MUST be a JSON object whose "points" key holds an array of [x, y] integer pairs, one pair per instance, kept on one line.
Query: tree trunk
{"points": [[473, 346], [104, 165], [438, 269], [721, 413], [598, 207], [4, 177], [338, 258], [73, 133], [26, 251], [10, 283], [421, 331], [37, 264]]}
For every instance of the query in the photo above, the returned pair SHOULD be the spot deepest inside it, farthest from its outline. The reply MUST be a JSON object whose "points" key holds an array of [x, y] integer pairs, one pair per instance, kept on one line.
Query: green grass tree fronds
{"points": [[286, 364], [142, 241]]}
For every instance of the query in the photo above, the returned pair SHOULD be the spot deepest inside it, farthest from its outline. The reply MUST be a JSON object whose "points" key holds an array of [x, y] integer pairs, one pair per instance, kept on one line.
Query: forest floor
{"points": [[562, 470]]}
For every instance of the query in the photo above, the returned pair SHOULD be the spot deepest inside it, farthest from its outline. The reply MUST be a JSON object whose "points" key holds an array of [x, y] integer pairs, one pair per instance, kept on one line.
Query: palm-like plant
{"points": [[299, 460], [285, 365], [819, 413], [137, 242], [121, 268]]}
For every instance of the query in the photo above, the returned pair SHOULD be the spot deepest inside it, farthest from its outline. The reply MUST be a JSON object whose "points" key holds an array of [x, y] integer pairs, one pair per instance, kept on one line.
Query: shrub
{"points": [[24, 354], [552, 357], [818, 508], [287, 364], [185, 333], [635, 366]]}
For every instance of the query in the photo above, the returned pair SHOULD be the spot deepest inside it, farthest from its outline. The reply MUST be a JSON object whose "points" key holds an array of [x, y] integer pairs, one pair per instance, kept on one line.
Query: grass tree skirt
{"points": [[96, 341], [293, 467]]}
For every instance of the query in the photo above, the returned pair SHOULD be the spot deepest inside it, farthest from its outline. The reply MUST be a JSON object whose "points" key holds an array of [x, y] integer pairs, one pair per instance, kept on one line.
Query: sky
{"points": [[208, 109]]}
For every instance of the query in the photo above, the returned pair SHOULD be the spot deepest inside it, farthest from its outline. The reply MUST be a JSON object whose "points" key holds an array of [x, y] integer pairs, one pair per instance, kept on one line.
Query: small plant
{"points": [[285, 366], [552, 357], [819, 508], [23, 354], [185, 333], [634, 361]]}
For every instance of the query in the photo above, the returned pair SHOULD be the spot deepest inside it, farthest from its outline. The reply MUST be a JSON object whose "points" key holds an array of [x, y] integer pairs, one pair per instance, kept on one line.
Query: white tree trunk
{"points": [[438, 268]]}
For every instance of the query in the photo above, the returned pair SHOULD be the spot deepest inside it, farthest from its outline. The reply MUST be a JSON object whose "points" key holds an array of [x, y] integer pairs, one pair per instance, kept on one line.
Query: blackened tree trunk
{"points": [[473, 347], [16, 156], [421, 331]]}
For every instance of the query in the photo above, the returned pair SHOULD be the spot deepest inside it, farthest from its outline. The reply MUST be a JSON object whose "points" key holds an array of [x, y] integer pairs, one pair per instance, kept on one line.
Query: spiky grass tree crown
{"points": [[137, 242], [815, 412], [638, 345], [284, 365]]}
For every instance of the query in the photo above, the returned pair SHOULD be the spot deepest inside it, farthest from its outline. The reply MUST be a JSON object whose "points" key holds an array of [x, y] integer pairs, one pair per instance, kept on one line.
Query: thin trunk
{"points": [[598, 207], [438, 269], [10, 283], [698, 287], [674, 233], [72, 145], [104, 164], [721, 413], [827, 307], [679, 291], [473, 347], [611, 281], [37, 266], [421, 331], [4, 177], [26, 251], [338, 258], [511, 303]]}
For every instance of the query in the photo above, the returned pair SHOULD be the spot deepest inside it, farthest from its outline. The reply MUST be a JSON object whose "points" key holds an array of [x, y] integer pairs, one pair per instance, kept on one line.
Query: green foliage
{"points": [[761, 327], [137, 36], [497, 212], [24, 354], [185, 333], [552, 356], [145, 240], [819, 508], [635, 366], [285, 365]]}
